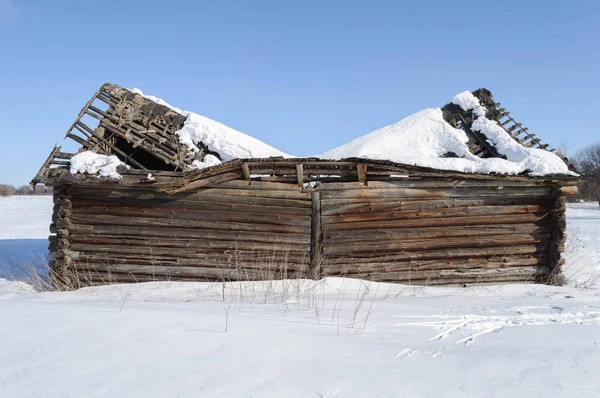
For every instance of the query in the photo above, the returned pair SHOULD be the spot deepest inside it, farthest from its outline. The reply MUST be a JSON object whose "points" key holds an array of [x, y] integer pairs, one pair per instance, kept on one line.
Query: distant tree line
{"points": [[587, 163], [10, 190]]}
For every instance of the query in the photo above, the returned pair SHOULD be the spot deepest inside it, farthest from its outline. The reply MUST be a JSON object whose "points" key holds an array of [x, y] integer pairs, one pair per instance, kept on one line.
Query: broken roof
{"points": [[472, 133]]}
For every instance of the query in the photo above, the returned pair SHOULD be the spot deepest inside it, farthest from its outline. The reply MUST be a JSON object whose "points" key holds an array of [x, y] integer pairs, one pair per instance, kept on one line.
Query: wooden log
{"points": [[432, 222], [316, 237], [473, 263], [569, 190], [362, 172], [439, 254], [151, 251], [79, 242], [174, 217], [418, 244], [357, 238], [110, 206], [200, 183], [115, 231], [300, 175], [439, 192], [150, 199], [92, 220], [374, 213], [440, 202], [207, 259]]}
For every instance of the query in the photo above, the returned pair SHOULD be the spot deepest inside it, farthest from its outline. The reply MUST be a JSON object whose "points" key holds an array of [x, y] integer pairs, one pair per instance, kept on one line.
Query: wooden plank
{"points": [[300, 175], [362, 172], [246, 172], [316, 237]]}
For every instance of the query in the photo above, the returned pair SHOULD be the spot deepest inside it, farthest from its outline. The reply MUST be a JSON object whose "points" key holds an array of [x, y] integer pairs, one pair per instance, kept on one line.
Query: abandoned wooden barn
{"points": [[275, 217]]}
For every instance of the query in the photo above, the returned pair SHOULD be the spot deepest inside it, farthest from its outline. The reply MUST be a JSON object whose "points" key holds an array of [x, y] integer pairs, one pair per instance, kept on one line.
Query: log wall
{"points": [[428, 228], [439, 234], [211, 234]]}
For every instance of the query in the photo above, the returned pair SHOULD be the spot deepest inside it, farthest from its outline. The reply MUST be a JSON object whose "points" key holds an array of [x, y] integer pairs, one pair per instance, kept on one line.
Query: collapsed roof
{"points": [[121, 127]]}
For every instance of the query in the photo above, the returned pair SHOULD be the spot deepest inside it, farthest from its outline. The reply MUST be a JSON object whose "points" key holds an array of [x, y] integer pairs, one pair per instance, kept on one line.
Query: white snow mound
{"points": [[93, 163], [227, 142], [422, 138]]}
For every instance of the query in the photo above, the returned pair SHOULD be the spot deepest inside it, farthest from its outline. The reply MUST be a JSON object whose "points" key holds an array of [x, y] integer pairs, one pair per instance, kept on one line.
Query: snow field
{"points": [[301, 338]]}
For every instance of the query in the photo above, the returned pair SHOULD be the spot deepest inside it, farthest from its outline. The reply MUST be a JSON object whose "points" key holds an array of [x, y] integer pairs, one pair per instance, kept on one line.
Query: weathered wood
{"points": [[393, 214], [204, 182], [93, 219], [173, 217], [362, 172], [316, 237], [166, 208], [300, 175], [420, 245], [84, 231], [437, 221], [245, 171]]}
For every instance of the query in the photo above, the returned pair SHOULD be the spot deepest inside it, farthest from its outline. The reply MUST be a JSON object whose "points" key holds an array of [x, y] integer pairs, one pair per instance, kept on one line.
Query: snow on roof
{"points": [[92, 163], [425, 138], [422, 139], [227, 142]]}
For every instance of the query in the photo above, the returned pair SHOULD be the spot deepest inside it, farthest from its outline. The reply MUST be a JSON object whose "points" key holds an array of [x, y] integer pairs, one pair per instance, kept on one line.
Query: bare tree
{"points": [[7, 190], [587, 162], [24, 190]]}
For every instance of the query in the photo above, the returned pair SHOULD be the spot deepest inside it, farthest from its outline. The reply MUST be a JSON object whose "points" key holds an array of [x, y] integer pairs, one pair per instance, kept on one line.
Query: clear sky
{"points": [[303, 76]]}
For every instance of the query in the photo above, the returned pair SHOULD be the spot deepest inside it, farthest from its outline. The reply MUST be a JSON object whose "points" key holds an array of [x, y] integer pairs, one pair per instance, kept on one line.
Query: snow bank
{"points": [[93, 163], [227, 142]]}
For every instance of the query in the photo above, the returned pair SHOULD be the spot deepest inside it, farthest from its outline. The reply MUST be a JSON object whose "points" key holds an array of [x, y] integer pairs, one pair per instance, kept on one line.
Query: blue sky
{"points": [[303, 76]]}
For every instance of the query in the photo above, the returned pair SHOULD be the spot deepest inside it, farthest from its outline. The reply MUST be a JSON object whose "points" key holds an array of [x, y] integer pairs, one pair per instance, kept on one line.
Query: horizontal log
{"points": [[569, 190], [191, 200], [144, 191], [184, 206], [440, 254], [498, 183], [252, 269], [375, 213], [399, 233], [152, 252], [92, 220], [186, 243], [330, 209], [187, 233], [180, 218], [87, 278], [432, 222], [343, 268], [485, 201], [482, 241], [376, 241], [164, 258], [440, 192], [78, 242]]}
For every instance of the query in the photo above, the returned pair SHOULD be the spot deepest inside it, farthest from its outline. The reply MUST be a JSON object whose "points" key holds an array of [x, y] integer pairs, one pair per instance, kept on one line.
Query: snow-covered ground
{"points": [[332, 338]]}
